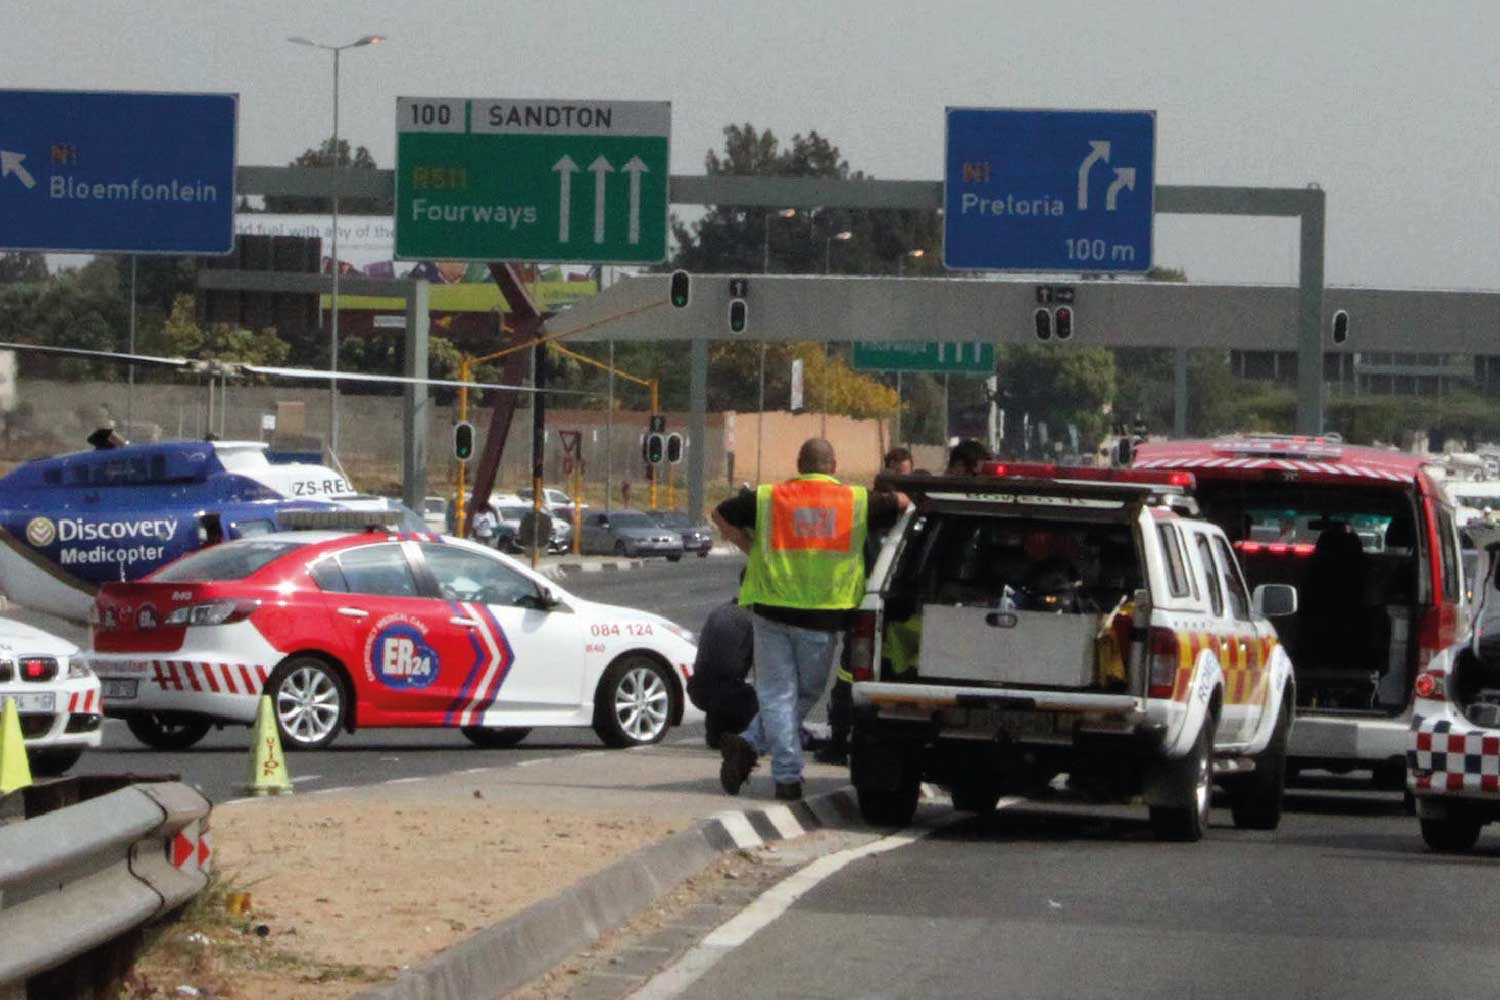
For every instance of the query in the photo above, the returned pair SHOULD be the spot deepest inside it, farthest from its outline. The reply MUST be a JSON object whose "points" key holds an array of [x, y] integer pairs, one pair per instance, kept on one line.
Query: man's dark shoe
{"points": [[790, 792], [738, 761]]}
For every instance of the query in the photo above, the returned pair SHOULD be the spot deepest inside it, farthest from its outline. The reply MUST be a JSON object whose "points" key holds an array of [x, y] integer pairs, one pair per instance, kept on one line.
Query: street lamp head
{"points": [[916, 253], [299, 40], [842, 235], [787, 213], [369, 40]]}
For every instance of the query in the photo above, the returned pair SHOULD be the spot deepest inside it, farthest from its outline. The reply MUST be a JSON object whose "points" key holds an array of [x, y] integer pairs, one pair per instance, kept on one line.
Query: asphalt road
{"points": [[685, 593], [1048, 901]]}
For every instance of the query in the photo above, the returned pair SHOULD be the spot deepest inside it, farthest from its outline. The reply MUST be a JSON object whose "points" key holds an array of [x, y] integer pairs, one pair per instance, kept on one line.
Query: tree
{"points": [[323, 156], [181, 336], [1058, 386], [22, 266]]}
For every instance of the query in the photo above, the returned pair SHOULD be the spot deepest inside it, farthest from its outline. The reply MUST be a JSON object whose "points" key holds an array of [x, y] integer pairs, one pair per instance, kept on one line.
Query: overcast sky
{"points": [[1390, 107]]}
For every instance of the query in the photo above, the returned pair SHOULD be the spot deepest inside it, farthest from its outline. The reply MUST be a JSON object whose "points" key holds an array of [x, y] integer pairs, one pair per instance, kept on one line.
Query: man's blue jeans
{"points": [[791, 671]]}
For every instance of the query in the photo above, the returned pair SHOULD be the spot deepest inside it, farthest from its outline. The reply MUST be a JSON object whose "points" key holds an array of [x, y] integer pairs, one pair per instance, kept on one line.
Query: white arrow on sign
{"points": [[1124, 178], [10, 163], [565, 168], [600, 168], [635, 168], [1099, 150]]}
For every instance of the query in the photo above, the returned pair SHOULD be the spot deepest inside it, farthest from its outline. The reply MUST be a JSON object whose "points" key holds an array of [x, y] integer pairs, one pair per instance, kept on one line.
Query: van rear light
{"points": [[862, 646], [1275, 548], [212, 613], [1164, 651], [1435, 633], [1087, 473], [1431, 684]]}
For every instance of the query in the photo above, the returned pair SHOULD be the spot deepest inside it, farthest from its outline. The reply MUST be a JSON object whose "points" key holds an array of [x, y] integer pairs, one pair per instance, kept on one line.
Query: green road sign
{"points": [[555, 181], [959, 358]]}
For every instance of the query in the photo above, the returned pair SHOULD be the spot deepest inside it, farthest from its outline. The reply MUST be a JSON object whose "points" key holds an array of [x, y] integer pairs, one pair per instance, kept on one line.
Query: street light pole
{"points": [[333, 340]]}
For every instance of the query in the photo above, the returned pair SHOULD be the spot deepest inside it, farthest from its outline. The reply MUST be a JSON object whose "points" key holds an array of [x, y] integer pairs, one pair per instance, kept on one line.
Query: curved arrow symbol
{"points": [[565, 168], [1099, 151], [600, 168], [10, 163], [635, 168], [1124, 178]]}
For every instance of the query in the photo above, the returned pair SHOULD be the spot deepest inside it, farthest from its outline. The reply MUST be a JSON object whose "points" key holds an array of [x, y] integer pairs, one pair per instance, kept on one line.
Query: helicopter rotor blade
{"points": [[79, 352], [324, 375]]}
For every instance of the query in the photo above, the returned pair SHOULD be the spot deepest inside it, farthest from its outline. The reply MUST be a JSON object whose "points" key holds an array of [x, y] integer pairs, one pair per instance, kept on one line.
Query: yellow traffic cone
{"points": [[15, 769], [267, 763]]}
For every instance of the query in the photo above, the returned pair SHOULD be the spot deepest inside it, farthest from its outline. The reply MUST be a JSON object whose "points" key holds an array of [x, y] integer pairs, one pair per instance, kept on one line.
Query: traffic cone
{"points": [[267, 763], [15, 769]]}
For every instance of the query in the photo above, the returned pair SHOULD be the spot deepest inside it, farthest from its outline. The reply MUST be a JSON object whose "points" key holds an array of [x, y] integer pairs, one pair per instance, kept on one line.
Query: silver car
{"points": [[629, 533]]}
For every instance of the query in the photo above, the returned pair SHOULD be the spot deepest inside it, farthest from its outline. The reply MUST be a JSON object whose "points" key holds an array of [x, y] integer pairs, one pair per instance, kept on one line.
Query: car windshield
{"points": [[229, 561], [672, 519], [630, 519], [514, 512]]}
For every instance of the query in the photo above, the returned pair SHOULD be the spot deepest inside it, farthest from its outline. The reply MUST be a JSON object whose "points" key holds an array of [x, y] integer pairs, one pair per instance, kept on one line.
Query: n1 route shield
{"points": [[1065, 191], [117, 172], [532, 180]]}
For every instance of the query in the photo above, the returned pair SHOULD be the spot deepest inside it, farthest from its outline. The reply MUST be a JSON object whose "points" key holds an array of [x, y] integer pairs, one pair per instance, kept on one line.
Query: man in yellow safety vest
{"points": [[805, 539]]}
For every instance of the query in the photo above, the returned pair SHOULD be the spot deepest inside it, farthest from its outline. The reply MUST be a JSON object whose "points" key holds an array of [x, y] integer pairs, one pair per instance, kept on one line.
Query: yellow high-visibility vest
{"points": [[808, 550]]}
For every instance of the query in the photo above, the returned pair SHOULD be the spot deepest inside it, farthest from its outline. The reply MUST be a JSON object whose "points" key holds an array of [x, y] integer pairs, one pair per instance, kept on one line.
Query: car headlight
{"points": [[686, 635], [78, 668]]}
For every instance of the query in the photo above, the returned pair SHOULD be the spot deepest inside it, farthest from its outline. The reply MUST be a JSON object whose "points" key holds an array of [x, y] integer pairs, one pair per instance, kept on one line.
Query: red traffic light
{"points": [[1063, 318]]}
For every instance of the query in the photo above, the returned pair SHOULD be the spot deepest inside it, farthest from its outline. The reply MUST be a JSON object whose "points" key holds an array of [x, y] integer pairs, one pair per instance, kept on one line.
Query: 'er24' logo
{"points": [[401, 659]]}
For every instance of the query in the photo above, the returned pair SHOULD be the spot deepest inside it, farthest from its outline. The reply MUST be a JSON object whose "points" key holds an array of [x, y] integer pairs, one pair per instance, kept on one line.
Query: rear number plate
{"points": [[42, 701], [1024, 725], [117, 688]]}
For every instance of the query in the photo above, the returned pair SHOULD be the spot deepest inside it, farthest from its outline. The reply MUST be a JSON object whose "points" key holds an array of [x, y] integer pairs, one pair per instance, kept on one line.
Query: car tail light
{"points": [[1435, 633], [1164, 650], [1431, 684], [225, 612], [1275, 548], [862, 646], [1086, 473], [37, 668]]}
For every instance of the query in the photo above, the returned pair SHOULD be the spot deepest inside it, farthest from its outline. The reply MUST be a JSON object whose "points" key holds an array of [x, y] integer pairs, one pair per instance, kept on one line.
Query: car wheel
{"points": [[167, 730], [888, 799], [310, 703], [495, 738], [1456, 833], [674, 558], [634, 704], [1195, 773], [1255, 800], [702, 553], [621, 550], [50, 763]]}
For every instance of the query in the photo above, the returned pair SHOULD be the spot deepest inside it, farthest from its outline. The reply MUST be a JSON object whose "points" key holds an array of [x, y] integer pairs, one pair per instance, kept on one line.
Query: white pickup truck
{"points": [[1038, 622]]}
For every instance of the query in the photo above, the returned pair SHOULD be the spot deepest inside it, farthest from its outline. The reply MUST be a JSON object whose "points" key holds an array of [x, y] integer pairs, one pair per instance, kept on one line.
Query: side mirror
{"points": [[1275, 600], [546, 599]]}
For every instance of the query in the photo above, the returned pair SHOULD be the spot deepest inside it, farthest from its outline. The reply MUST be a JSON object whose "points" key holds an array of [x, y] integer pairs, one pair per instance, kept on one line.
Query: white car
{"points": [[56, 695], [379, 629]]}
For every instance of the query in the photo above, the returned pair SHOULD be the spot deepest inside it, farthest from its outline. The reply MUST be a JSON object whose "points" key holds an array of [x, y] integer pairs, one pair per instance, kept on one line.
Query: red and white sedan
{"points": [[349, 631]]}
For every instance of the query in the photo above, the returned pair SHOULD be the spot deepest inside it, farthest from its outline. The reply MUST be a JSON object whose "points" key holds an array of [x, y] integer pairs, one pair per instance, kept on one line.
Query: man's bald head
{"points": [[816, 456]]}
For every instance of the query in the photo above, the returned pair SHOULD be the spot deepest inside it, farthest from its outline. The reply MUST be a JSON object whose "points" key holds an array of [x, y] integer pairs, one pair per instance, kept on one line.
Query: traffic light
{"points": [[739, 315], [655, 445], [463, 441], [682, 290], [1043, 320], [1063, 317], [1340, 327], [674, 448]]}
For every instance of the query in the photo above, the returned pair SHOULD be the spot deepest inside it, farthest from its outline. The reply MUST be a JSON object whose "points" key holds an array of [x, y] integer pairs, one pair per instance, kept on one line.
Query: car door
{"points": [[1245, 672], [407, 655], [596, 534], [526, 655], [1221, 635]]}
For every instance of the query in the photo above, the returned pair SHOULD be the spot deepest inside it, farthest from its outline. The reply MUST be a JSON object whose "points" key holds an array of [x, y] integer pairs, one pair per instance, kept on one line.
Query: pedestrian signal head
{"points": [[674, 448], [1043, 320], [655, 448], [463, 441], [681, 289], [739, 315]]}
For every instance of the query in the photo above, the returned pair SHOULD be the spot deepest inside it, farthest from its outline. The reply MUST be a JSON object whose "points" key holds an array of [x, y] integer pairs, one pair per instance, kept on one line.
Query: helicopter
{"points": [[117, 512]]}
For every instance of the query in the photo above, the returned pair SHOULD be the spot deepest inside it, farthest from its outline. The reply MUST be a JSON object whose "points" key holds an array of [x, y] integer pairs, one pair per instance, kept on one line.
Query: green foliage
{"points": [[22, 266], [74, 309], [181, 337], [1058, 386]]}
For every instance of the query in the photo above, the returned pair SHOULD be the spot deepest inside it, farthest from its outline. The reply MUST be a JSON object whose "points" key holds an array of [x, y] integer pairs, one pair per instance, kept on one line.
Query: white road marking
{"points": [[403, 781], [325, 791], [766, 908], [305, 777]]}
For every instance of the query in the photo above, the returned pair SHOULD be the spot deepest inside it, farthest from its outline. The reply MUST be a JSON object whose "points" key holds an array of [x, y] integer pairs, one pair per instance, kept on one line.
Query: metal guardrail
{"points": [[79, 877]]}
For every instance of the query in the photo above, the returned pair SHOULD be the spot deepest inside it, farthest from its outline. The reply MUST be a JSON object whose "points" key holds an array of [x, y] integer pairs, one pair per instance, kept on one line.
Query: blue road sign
{"points": [[117, 172], [1048, 190]]}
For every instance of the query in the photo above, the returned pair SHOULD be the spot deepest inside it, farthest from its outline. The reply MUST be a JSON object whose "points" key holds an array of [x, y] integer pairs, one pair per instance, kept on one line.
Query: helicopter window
{"points": [[249, 529]]}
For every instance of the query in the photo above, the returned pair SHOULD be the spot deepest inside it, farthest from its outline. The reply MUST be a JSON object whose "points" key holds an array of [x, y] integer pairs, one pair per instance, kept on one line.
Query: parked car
{"points": [[629, 533], [1035, 621], [697, 538], [436, 513], [56, 696], [380, 630], [512, 515]]}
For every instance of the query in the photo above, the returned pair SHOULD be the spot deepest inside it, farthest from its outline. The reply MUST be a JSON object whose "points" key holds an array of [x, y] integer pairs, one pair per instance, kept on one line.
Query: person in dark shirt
{"points": [[806, 575], [720, 683], [966, 458]]}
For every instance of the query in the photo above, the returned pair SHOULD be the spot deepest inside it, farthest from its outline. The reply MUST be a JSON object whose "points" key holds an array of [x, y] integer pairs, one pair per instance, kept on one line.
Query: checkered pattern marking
{"points": [[1445, 757]]}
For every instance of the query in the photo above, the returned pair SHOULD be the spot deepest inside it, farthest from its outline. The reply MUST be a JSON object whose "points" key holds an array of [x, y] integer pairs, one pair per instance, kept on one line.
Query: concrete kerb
{"points": [[504, 957]]}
